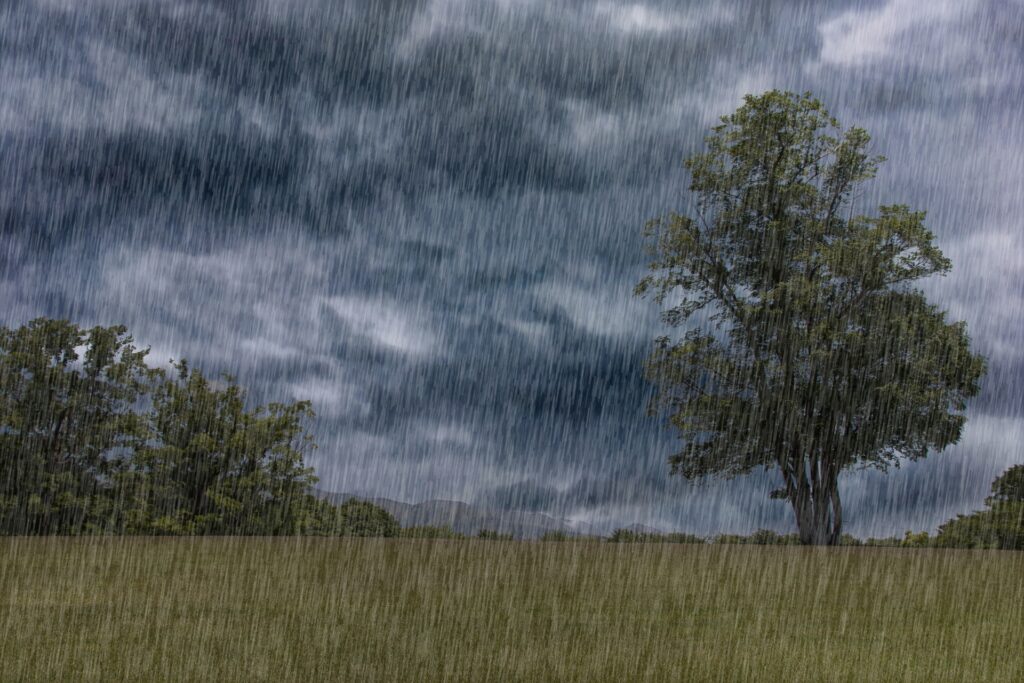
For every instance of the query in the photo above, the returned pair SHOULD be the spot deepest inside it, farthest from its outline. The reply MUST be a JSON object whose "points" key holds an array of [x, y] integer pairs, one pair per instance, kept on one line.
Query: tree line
{"points": [[93, 440], [998, 527]]}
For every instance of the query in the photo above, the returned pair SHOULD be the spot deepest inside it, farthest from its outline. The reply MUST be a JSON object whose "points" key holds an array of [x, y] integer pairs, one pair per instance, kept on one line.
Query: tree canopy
{"points": [[67, 413], [1000, 526], [92, 440], [806, 348]]}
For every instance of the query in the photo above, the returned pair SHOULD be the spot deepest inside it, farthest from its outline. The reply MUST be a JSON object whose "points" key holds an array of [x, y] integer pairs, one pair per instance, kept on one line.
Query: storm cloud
{"points": [[425, 217]]}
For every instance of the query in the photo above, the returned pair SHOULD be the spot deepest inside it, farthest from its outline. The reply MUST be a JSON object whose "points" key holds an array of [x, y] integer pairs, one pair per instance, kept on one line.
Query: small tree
{"points": [[362, 518], [1008, 487], [807, 349], [1001, 526]]}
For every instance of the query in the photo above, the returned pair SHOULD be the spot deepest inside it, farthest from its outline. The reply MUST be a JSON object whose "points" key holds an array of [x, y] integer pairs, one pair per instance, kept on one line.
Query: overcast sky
{"points": [[425, 217]]}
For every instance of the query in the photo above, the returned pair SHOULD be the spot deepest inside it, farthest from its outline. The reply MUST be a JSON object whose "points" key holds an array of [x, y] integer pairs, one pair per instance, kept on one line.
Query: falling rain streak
{"points": [[425, 218]]}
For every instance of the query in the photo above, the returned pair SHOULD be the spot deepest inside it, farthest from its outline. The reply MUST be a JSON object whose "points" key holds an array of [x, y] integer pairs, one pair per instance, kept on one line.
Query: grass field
{"points": [[393, 610]]}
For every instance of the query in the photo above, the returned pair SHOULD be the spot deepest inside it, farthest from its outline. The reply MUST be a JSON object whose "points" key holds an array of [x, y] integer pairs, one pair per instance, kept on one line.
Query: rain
{"points": [[497, 340], [425, 217]]}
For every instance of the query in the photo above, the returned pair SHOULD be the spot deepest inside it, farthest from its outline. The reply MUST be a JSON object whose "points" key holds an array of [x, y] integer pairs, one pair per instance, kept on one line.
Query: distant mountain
{"points": [[468, 519]]}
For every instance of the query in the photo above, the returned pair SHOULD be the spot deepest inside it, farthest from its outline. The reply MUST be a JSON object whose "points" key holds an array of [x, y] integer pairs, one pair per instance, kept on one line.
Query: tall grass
{"points": [[408, 609]]}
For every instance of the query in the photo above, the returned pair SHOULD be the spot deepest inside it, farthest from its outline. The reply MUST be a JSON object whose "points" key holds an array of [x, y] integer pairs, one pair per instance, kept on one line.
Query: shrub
{"points": [[355, 517]]}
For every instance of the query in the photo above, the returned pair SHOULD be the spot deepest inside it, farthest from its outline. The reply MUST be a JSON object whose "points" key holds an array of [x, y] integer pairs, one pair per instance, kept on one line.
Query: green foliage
{"points": [[1001, 526], [807, 349], [910, 539], [94, 441], [491, 535], [430, 532], [630, 536], [918, 540], [362, 518], [67, 417], [351, 518], [212, 467], [1008, 487]]}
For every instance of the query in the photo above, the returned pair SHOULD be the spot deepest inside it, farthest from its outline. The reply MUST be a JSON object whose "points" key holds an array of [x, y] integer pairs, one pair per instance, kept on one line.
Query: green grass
{"points": [[406, 609]]}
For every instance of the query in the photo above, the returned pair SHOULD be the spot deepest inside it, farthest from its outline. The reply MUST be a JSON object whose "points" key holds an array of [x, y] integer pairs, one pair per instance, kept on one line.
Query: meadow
{"points": [[245, 609]]}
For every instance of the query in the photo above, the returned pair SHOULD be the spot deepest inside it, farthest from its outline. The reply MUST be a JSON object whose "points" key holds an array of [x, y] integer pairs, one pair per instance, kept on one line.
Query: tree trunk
{"points": [[819, 514]]}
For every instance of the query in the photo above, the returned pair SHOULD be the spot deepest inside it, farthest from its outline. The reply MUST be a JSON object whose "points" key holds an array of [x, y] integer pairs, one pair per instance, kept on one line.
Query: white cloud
{"points": [[331, 396], [592, 125], [641, 18], [988, 266], [859, 36], [439, 16], [447, 435], [598, 305], [261, 347], [161, 357], [385, 323], [534, 332]]}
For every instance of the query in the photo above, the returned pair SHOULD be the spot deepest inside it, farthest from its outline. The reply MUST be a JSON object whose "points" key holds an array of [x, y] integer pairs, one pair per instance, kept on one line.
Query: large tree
{"points": [[806, 347]]}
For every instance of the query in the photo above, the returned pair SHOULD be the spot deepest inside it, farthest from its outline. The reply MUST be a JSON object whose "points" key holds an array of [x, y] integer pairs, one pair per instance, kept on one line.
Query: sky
{"points": [[425, 217]]}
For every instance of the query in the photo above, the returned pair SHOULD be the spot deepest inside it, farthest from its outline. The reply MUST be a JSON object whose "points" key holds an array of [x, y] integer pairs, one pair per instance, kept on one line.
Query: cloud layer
{"points": [[425, 217]]}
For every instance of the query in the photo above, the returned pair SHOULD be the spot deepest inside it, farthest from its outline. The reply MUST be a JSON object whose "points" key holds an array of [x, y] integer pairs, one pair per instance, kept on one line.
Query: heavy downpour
{"points": [[512, 270]]}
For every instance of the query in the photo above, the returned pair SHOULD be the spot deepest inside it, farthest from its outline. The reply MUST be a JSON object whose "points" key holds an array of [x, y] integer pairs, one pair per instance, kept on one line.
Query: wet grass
{"points": [[389, 610]]}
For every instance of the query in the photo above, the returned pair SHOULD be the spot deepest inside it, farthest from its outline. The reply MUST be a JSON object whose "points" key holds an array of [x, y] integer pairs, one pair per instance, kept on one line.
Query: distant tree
{"points": [[920, 539], [555, 537], [68, 415], [1001, 526], [624, 536], [807, 349], [362, 518], [491, 535]]}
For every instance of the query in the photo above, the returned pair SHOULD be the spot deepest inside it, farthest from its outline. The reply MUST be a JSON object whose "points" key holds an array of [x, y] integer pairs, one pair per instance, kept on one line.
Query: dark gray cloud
{"points": [[425, 217]]}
